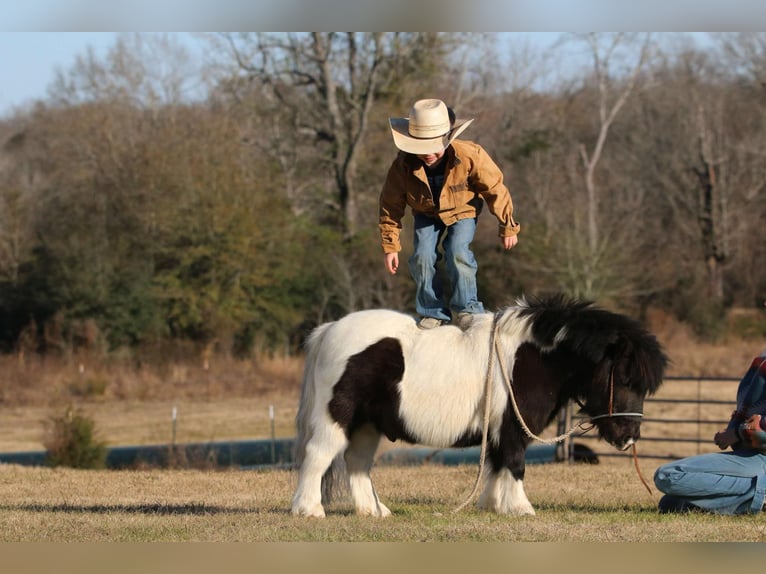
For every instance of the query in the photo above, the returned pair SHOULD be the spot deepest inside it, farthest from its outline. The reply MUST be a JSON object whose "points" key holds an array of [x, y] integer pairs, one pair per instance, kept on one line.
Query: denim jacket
{"points": [[471, 179], [749, 420]]}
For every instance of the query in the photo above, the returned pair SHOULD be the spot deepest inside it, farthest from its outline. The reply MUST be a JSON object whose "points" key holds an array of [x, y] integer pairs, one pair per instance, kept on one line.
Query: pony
{"points": [[374, 373]]}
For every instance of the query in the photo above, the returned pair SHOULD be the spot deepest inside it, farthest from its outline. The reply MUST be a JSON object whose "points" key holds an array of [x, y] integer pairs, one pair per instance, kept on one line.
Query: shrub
{"points": [[706, 317], [71, 441], [88, 387], [748, 324]]}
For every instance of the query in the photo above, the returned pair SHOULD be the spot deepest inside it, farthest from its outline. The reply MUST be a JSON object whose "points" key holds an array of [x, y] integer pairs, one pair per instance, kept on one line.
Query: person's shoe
{"points": [[464, 320], [429, 323], [673, 504]]}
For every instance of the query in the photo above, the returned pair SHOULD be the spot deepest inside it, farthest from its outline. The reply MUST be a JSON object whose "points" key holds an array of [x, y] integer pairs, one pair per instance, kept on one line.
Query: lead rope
{"points": [[638, 470], [485, 426], [494, 345], [561, 437], [635, 451], [516, 410]]}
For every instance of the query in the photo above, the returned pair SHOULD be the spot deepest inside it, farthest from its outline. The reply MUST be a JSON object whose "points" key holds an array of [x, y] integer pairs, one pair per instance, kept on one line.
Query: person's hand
{"points": [[753, 433], [392, 262], [725, 438], [509, 242]]}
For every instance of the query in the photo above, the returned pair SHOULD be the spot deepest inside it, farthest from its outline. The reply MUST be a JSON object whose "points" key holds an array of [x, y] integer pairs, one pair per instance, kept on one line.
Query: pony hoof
{"points": [[380, 511], [383, 511], [316, 512], [525, 511], [516, 510]]}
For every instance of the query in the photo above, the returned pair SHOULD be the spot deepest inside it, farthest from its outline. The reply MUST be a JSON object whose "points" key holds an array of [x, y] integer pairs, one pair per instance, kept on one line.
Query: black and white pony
{"points": [[375, 373]]}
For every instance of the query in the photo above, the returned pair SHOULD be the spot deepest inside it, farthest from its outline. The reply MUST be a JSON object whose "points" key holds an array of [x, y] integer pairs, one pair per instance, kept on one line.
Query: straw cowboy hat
{"points": [[428, 129]]}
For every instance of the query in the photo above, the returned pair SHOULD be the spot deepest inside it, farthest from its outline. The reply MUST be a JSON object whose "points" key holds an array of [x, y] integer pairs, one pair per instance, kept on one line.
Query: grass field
{"points": [[574, 503]]}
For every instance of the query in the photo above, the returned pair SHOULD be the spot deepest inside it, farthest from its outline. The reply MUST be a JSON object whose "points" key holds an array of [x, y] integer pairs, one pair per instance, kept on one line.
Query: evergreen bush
{"points": [[71, 441]]}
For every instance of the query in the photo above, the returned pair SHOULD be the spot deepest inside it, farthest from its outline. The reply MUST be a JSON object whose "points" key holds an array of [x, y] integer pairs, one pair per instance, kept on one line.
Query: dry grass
{"points": [[141, 423], [51, 381], [574, 503], [227, 400], [691, 357]]}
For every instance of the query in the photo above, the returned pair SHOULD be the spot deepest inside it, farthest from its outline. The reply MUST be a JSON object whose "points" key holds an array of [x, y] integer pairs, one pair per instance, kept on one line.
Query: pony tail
{"points": [[335, 479], [335, 482], [303, 430]]}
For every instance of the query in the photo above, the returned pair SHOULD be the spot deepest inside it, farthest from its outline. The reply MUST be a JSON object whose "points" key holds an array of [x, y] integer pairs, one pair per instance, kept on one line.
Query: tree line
{"points": [[226, 196]]}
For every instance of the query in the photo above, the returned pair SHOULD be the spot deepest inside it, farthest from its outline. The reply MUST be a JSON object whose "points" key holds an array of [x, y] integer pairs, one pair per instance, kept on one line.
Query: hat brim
{"points": [[423, 146]]}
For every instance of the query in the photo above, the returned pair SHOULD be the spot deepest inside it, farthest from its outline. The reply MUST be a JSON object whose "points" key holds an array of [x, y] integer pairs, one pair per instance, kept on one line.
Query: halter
{"points": [[611, 400], [613, 414]]}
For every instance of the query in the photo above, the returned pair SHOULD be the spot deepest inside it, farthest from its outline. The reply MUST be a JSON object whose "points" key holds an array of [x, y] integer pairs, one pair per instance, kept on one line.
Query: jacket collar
{"points": [[414, 163]]}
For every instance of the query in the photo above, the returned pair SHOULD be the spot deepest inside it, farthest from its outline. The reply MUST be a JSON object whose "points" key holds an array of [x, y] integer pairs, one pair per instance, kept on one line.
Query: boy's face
{"points": [[431, 158]]}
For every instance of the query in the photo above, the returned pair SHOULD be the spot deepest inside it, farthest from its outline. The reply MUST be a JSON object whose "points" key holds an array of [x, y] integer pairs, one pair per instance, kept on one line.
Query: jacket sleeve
{"points": [[392, 205], [487, 180]]}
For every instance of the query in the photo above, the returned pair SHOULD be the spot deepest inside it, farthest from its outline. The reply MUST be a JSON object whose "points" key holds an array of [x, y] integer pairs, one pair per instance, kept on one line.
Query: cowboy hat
{"points": [[428, 129]]}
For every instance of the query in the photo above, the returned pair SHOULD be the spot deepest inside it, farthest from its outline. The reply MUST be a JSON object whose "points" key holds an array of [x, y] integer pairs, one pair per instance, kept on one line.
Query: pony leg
{"points": [[359, 457], [505, 494], [321, 449]]}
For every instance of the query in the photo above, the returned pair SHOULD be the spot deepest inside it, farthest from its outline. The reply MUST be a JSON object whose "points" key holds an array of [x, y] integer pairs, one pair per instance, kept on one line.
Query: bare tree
{"points": [[146, 70], [710, 163], [317, 90], [612, 92], [587, 243], [745, 54]]}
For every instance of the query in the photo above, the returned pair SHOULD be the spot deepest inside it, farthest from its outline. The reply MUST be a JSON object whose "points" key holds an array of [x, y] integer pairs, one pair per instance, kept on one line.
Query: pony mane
{"points": [[597, 334]]}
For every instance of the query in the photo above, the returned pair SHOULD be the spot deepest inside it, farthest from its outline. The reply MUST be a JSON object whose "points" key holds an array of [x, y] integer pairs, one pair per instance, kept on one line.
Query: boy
{"points": [[445, 181]]}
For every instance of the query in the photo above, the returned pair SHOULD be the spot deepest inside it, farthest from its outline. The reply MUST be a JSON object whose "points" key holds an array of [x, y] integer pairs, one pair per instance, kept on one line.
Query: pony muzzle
{"points": [[620, 440], [629, 443]]}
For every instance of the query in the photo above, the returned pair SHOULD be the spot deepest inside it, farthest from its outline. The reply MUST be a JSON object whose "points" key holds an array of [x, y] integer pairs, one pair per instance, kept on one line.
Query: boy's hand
{"points": [[392, 262], [509, 242]]}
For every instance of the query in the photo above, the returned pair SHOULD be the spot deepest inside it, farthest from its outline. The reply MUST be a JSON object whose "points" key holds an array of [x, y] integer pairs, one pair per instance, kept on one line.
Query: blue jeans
{"points": [[732, 482], [459, 260]]}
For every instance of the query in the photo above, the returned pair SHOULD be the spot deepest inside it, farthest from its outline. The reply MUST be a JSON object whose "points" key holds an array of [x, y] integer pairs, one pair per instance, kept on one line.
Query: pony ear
{"points": [[622, 348], [647, 361], [599, 349], [606, 355]]}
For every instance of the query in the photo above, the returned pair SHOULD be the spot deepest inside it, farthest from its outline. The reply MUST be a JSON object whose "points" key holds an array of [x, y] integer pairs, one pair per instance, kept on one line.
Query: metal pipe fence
{"points": [[679, 421]]}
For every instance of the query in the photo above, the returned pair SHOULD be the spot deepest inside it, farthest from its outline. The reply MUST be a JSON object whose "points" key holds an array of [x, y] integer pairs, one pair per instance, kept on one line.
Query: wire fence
{"points": [[679, 421]]}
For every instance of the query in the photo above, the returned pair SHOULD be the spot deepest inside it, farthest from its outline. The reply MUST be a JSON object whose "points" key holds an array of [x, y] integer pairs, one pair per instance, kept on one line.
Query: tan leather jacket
{"points": [[471, 179]]}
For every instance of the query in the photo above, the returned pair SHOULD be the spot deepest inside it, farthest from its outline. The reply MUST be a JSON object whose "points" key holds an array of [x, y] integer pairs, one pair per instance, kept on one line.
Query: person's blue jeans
{"points": [[459, 261], [732, 482]]}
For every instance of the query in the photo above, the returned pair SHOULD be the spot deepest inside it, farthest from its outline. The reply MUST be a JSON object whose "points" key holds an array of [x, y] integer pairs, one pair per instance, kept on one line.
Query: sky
{"points": [[42, 36], [29, 60], [29, 72]]}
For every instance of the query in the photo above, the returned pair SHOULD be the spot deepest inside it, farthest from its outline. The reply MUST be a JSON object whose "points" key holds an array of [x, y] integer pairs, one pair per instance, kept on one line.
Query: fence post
{"points": [[273, 435], [564, 448]]}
